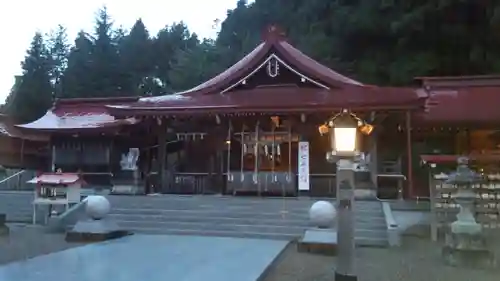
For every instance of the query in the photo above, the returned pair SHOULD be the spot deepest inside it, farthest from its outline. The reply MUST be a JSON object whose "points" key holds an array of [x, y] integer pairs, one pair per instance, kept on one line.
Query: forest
{"points": [[383, 42]]}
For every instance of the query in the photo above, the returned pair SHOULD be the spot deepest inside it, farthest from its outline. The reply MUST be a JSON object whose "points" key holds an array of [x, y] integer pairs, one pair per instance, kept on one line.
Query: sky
{"points": [[20, 19]]}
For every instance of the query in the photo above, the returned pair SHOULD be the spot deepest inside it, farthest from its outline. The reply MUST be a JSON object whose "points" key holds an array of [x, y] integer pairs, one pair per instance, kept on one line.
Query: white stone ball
{"points": [[322, 214], [97, 207]]}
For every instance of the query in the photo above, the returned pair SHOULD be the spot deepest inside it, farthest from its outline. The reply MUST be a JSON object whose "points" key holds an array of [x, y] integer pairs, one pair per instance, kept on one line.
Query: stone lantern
{"points": [[466, 244]]}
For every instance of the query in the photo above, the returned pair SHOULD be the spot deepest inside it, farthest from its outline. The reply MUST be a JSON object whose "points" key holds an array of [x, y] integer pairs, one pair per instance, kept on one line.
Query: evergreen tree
{"points": [[169, 44], [59, 50], [195, 65], [136, 58], [10, 98], [77, 78], [32, 95], [105, 61]]}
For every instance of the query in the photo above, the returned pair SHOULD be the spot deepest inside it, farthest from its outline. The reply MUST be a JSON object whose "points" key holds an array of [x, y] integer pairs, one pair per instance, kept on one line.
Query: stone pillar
{"points": [[345, 228]]}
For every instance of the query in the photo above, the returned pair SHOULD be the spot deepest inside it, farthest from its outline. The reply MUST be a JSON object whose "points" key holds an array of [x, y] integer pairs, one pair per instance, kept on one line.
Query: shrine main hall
{"points": [[253, 129]]}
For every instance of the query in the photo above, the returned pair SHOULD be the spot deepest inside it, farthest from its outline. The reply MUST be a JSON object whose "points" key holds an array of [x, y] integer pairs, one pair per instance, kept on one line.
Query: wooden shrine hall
{"points": [[253, 129]]}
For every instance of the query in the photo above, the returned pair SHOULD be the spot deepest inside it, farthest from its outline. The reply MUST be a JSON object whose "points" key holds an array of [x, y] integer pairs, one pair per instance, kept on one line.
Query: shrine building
{"points": [[248, 129]]}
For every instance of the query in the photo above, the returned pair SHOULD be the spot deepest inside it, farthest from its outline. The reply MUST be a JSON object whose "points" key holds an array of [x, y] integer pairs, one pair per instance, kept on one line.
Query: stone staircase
{"points": [[271, 218], [16, 205]]}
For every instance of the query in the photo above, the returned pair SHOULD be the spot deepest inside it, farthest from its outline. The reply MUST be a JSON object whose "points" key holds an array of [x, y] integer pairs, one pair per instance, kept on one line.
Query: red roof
{"points": [[331, 91], [88, 114], [462, 105], [8, 129], [268, 99]]}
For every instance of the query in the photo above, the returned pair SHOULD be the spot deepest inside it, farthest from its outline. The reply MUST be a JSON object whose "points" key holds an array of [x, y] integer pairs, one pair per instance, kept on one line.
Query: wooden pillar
{"points": [[162, 152], [373, 161], [410, 154]]}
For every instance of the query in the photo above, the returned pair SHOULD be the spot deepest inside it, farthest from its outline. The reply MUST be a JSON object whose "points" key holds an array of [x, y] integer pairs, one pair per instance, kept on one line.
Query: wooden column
{"points": [[410, 154], [162, 153]]}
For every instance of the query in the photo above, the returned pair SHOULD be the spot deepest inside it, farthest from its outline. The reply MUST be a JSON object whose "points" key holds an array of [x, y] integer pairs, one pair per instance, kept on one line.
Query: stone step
{"points": [[209, 201], [235, 227], [377, 223], [228, 212], [211, 219], [172, 231], [360, 241]]}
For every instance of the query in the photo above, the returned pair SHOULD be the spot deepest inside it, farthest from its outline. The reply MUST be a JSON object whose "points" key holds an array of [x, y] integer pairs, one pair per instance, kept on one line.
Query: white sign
{"points": [[303, 165]]}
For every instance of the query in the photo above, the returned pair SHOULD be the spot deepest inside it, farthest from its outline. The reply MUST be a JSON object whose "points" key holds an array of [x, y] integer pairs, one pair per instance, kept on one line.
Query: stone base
{"points": [[126, 190], [4, 230], [319, 241], [365, 194], [469, 258], [344, 277], [95, 231], [466, 227], [468, 250]]}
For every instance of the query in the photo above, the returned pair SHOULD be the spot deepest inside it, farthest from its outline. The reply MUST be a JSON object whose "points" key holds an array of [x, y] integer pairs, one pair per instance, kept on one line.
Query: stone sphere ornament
{"points": [[97, 207], [322, 214]]}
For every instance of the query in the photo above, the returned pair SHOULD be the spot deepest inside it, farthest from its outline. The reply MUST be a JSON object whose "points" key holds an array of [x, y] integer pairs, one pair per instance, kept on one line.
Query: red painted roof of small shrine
{"points": [[80, 114], [57, 178]]}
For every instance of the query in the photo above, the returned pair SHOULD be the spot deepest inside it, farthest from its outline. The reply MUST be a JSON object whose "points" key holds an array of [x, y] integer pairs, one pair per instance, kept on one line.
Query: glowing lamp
{"points": [[343, 137]]}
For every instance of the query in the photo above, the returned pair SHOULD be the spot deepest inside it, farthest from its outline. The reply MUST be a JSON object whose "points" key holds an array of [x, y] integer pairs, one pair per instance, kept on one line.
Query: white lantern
{"points": [[344, 135]]}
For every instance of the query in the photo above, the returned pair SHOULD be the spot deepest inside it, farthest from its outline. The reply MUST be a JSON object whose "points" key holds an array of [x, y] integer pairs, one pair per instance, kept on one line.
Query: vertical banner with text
{"points": [[303, 172]]}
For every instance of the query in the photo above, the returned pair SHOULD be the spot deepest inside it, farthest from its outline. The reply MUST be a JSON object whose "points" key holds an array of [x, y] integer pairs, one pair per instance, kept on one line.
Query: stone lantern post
{"points": [[466, 244]]}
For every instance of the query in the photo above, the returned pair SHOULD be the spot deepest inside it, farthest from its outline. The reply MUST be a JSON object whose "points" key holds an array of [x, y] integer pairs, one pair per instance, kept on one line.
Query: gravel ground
{"points": [[27, 241], [417, 260]]}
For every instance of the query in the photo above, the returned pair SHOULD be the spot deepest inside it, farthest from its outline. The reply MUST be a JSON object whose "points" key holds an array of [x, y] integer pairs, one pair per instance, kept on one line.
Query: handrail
{"points": [[17, 180], [12, 176]]}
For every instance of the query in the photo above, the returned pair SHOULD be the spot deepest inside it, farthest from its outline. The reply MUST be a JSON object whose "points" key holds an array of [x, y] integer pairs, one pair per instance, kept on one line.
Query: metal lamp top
{"points": [[463, 174], [344, 120]]}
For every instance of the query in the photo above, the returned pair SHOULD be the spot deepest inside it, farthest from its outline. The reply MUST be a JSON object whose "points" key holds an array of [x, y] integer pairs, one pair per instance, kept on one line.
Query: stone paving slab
{"points": [[152, 258]]}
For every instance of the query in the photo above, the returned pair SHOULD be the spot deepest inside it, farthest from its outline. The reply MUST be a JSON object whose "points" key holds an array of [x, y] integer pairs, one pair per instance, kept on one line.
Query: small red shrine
{"points": [[240, 131]]}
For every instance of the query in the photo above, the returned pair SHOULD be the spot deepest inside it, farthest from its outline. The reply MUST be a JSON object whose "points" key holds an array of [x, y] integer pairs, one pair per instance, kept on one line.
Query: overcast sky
{"points": [[21, 18]]}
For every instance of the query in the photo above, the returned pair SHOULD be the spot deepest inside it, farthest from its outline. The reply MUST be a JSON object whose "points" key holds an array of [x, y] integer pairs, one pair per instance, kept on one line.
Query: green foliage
{"points": [[77, 80], [136, 59], [31, 95], [384, 42], [58, 48]]}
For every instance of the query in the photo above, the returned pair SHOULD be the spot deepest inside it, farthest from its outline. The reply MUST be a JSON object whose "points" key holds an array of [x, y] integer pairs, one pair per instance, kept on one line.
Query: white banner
{"points": [[303, 172]]}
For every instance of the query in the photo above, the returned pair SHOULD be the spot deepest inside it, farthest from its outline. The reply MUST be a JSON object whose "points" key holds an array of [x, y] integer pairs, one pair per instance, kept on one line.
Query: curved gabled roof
{"points": [[274, 41], [9, 129], [79, 115]]}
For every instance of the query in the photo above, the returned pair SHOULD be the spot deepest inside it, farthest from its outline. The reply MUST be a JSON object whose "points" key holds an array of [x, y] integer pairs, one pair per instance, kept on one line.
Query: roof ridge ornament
{"points": [[273, 33], [273, 68]]}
